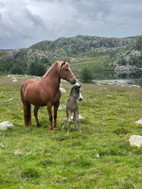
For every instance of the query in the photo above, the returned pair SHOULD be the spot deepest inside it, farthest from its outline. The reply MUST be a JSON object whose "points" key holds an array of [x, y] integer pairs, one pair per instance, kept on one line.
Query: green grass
{"points": [[99, 157]]}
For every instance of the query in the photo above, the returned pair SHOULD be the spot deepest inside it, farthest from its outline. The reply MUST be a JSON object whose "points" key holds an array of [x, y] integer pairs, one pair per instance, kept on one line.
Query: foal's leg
{"points": [[36, 115], [69, 120], [49, 109], [74, 119], [55, 114], [77, 120], [65, 121], [64, 125]]}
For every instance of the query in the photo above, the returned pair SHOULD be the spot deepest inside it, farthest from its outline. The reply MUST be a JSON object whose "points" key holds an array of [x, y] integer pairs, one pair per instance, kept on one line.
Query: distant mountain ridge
{"points": [[99, 53], [83, 43]]}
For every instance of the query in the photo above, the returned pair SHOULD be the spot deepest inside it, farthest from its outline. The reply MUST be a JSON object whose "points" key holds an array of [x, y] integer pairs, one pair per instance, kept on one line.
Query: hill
{"points": [[106, 57]]}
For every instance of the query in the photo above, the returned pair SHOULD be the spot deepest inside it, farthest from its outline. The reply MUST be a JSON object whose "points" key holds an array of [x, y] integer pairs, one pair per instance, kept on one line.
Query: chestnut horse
{"points": [[45, 92]]}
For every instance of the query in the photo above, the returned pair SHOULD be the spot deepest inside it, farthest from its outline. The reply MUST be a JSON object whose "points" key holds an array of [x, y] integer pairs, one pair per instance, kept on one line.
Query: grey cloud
{"points": [[26, 22], [93, 9], [37, 21]]}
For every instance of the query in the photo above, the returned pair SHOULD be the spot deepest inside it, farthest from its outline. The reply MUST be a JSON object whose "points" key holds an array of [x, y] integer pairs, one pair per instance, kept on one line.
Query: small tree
{"points": [[140, 82], [16, 69], [138, 44], [37, 69], [86, 75]]}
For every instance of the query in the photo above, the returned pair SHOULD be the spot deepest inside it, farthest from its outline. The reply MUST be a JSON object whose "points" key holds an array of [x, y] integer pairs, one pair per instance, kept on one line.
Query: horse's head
{"points": [[66, 73]]}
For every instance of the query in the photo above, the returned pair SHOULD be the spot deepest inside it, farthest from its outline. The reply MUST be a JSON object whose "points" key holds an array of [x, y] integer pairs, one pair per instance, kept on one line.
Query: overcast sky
{"points": [[26, 22]]}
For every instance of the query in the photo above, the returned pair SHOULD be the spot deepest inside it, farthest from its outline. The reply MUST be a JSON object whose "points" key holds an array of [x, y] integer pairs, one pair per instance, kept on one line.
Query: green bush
{"points": [[140, 82], [138, 44], [122, 62], [37, 69], [16, 69], [86, 75]]}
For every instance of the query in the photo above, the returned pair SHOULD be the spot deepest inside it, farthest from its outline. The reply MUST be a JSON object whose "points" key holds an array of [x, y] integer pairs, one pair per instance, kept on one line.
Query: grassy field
{"points": [[99, 157]]}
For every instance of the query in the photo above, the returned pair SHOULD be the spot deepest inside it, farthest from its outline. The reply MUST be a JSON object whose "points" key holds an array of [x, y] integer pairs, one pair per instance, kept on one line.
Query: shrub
{"points": [[138, 44], [140, 82], [122, 62], [16, 69], [86, 75], [37, 69]]}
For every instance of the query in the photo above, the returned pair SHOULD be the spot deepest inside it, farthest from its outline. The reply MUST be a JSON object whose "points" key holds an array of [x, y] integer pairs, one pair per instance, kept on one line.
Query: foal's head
{"points": [[76, 93], [66, 73]]}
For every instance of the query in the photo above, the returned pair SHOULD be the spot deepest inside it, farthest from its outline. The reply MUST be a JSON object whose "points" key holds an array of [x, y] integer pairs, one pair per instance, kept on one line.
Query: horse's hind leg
{"points": [[27, 113], [36, 115], [55, 114]]}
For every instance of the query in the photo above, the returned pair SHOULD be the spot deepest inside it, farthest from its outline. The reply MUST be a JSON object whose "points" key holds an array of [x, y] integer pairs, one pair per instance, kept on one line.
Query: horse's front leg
{"points": [[56, 105], [49, 109]]}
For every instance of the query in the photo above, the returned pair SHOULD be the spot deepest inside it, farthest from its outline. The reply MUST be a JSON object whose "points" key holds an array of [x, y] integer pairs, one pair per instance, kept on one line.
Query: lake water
{"points": [[123, 81]]}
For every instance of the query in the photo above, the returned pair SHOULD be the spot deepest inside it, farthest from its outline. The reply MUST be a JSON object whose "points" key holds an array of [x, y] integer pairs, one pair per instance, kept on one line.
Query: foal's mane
{"points": [[78, 87], [56, 64]]}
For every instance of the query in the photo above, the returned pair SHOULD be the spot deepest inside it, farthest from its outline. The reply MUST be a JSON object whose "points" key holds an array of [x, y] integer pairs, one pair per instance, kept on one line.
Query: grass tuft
{"points": [[30, 173]]}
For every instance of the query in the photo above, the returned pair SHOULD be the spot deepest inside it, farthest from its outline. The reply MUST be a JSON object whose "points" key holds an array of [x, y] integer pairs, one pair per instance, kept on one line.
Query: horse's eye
{"points": [[66, 69], [77, 91]]}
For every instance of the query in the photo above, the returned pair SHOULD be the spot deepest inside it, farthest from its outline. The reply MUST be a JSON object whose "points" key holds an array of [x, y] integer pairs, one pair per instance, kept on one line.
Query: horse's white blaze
{"points": [[80, 96], [71, 71]]}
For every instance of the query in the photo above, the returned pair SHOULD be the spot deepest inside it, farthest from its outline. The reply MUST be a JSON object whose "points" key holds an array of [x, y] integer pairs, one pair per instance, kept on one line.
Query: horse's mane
{"points": [[56, 64]]}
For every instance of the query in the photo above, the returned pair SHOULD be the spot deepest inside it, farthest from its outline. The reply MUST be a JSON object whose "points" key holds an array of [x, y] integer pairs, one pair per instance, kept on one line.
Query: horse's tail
{"points": [[26, 106], [22, 92], [27, 113]]}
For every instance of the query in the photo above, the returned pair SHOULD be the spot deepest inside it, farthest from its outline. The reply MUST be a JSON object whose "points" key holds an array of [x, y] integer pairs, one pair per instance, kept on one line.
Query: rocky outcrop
{"points": [[125, 69], [139, 122], [136, 141], [6, 125]]}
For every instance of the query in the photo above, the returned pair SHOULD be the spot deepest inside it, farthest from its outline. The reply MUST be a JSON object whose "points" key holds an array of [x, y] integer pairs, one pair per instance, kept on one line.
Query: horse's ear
{"points": [[63, 63]]}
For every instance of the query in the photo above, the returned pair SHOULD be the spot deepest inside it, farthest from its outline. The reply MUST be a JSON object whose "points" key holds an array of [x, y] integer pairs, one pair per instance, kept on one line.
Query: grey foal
{"points": [[72, 107]]}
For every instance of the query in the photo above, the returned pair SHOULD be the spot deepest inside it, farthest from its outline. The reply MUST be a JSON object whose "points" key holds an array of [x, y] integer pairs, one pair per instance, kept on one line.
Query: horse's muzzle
{"points": [[73, 82], [80, 99]]}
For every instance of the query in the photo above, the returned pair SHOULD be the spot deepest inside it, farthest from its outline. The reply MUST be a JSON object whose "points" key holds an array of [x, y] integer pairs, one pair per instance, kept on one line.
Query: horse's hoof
{"points": [[55, 128], [38, 126]]}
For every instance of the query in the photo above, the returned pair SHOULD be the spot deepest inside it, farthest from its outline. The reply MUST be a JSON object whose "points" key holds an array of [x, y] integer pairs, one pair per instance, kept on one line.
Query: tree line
{"points": [[37, 68], [21, 67]]}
